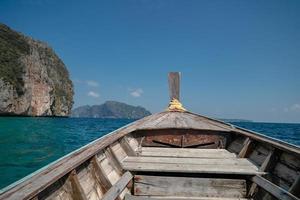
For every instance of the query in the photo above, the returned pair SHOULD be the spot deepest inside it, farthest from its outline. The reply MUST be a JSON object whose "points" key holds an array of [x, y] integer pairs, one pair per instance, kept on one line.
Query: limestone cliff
{"points": [[33, 80]]}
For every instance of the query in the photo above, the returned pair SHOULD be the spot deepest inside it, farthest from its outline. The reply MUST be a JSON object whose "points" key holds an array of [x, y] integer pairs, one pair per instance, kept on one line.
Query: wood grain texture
{"points": [[182, 120], [273, 189], [127, 147], [191, 168], [188, 187], [112, 158], [77, 191], [131, 197], [118, 187], [174, 85], [247, 148], [192, 161], [186, 152], [269, 161], [101, 176], [295, 188]]}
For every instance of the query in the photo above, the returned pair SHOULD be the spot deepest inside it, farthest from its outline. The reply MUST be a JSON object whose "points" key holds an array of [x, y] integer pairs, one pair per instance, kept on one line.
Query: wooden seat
{"points": [[131, 197], [212, 161], [186, 152]]}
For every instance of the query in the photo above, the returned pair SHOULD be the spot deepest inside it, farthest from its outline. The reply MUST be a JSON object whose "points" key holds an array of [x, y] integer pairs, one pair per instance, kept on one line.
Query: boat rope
{"points": [[175, 105]]}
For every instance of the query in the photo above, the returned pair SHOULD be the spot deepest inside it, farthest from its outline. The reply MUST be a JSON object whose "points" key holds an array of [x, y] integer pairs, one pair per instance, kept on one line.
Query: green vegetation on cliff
{"points": [[12, 47], [33, 79], [111, 109]]}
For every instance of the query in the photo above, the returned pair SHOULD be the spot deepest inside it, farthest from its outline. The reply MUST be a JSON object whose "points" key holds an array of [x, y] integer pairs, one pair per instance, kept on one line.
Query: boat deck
{"points": [[161, 173], [179, 160]]}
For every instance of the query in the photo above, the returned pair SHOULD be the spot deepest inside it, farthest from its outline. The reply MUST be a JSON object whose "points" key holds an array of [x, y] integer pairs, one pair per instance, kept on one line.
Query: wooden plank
{"points": [[188, 168], [191, 161], [127, 148], [110, 155], [186, 150], [101, 176], [77, 191], [174, 85], [269, 161], [290, 160], [181, 120], [117, 188], [273, 189], [285, 172], [131, 197], [259, 153], [295, 188], [188, 187], [247, 148], [118, 151], [188, 153]]}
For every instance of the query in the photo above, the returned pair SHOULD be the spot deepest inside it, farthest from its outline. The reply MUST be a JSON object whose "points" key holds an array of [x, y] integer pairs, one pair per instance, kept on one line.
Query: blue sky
{"points": [[239, 59]]}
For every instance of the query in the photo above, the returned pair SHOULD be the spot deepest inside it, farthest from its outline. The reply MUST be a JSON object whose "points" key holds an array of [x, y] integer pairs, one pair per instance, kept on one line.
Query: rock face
{"points": [[33, 80], [111, 109]]}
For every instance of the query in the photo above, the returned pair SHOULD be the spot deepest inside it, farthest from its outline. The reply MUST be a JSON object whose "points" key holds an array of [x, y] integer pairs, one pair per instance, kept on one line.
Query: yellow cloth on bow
{"points": [[175, 105]]}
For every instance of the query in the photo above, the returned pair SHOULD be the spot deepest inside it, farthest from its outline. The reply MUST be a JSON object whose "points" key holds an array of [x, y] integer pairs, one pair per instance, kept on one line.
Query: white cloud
{"points": [[93, 94], [92, 83], [293, 108], [137, 92]]}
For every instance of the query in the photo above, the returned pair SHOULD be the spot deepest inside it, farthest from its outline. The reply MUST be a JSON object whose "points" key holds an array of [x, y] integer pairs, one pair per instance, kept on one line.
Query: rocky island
{"points": [[33, 79], [111, 109]]}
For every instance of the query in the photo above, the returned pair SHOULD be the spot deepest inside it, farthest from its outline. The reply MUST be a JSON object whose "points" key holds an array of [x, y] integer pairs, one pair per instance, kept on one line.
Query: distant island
{"points": [[111, 109], [33, 80]]}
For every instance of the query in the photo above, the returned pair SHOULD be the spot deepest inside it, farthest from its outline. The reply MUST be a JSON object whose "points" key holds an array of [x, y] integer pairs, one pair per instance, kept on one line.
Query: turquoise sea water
{"points": [[27, 144]]}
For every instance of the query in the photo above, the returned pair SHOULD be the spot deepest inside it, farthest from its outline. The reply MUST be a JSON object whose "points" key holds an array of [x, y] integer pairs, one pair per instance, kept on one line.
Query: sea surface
{"points": [[27, 144]]}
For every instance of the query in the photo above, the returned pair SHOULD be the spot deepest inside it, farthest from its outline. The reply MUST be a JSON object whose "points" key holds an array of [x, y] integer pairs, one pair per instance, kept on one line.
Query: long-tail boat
{"points": [[174, 154]]}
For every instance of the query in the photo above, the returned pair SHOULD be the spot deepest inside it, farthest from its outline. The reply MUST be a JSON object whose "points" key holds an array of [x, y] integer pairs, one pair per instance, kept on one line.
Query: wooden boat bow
{"points": [[175, 154]]}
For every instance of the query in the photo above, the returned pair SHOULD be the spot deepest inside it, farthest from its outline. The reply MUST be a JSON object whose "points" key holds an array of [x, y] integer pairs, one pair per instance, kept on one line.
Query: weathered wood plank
{"points": [[269, 161], [188, 153], [247, 148], [131, 197], [295, 188], [113, 160], [273, 189], [118, 187], [127, 148], [118, 151], [181, 120], [259, 154], [199, 161], [77, 191], [88, 181], [290, 160], [188, 187], [187, 150], [285, 172], [100, 175], [174, 85], [190, 168]]}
